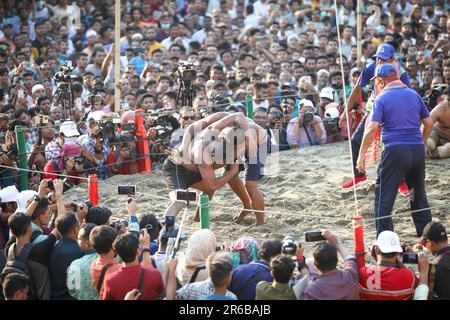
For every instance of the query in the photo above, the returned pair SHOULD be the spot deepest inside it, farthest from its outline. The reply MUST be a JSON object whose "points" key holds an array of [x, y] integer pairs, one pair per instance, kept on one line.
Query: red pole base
{"points": [[93, 189]]}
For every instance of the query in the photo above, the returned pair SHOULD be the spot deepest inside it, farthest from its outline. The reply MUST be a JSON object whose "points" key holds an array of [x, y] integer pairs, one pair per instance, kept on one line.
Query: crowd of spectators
{"points": [[284, 54]]}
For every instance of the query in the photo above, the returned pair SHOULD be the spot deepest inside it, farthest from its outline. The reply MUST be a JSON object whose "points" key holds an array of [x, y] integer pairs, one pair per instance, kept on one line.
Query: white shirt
{"points": [[261, 9], [199, 36], [168, 42]]}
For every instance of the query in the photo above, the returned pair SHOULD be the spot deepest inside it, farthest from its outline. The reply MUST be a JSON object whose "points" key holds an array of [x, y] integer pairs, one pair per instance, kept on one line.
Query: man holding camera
{"points": [[389, 279], [307, 129], [385, 54], [399, 110]]}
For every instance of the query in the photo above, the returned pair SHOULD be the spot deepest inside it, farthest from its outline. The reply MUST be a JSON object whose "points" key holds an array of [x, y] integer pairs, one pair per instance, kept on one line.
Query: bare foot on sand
{"points": [[240, 217]]}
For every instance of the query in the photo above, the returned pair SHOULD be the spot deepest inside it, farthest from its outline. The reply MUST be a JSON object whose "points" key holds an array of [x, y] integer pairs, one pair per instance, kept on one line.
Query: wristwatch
{"points": [[146, 250], [36, 198]]}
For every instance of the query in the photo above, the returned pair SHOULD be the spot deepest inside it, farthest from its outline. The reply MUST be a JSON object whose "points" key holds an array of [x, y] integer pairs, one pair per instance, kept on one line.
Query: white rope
{"points": [[345, 105]]}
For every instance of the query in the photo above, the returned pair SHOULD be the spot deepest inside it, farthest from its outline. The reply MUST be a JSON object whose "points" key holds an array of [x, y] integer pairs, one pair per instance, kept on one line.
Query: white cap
{"points": [[91, 33], [307, 103], [37, 87], [327, 93], [388, 242], [137, 37], [23, 198], [95, 115], [69, 128], [332, 111], [9, 194]]}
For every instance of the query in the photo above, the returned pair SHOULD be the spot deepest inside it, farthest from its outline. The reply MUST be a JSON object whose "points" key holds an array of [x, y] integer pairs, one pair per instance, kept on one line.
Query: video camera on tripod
{"points": [[431, 99], [184, 75], [64, 75], [185, 71]]}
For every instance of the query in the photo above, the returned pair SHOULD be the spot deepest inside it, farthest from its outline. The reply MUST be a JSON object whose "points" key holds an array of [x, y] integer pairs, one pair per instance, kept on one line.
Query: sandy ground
{"points": [[305, 196]]}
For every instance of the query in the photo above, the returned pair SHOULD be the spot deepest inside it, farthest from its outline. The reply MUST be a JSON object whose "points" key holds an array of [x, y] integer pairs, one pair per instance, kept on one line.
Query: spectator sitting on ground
{"points": [[246, 276], [395, 281], [333, 283], [282, 268], [192, 266], [219, 268]]}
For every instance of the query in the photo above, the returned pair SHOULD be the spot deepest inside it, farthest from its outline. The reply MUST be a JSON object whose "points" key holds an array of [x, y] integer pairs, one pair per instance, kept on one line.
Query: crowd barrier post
{"points": [[249, 105], [93, 189], [358, 228], [204, 211], [23, 175], [144, 165]]}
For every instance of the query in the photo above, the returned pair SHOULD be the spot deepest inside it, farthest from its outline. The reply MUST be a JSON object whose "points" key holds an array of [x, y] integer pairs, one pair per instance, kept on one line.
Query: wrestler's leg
{"points": [[202, 187], [239, 189], [257, 200], [441, 152]]}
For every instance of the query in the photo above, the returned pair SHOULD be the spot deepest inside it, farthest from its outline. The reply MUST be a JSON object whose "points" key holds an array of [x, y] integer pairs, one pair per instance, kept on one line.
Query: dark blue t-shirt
{"points": [[400, 112], [65, 251], [243, 272], [369, 71], [215, 297]]}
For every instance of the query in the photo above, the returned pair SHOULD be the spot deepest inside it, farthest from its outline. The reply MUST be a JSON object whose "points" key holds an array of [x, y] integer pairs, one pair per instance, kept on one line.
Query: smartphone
{"points": [[126, 190], [124, 106], [313, 236], [411, 258], [184, 195], [50, 185]]}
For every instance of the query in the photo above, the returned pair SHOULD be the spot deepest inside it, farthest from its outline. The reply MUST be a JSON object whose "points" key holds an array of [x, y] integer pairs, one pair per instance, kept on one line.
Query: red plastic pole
{"points": [[359, 240], [93, 189], [144, 165]]}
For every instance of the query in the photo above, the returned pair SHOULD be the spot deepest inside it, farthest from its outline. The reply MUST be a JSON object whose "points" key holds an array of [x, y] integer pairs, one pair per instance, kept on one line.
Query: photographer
{"points": [[187, 117], [46, 134], [282, 268], [123, 155], [333, 283], [96, 145], [277, 125], [393, 281], [307, 129]]}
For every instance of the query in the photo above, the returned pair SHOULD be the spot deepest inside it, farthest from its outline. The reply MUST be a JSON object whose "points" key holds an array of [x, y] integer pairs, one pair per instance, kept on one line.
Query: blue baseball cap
{"points": [[385, 70], [384, 51]]}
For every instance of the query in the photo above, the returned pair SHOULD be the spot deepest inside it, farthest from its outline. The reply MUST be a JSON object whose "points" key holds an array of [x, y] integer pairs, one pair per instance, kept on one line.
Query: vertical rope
{"points": [[345, 105]]}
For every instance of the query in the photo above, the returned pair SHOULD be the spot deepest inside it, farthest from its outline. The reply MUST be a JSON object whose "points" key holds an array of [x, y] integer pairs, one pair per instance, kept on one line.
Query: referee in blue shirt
{"points": [[400, 112]]}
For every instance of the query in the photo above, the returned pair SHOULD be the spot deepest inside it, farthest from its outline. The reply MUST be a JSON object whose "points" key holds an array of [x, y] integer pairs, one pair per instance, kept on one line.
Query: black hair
{"points": [[388, 255], [66, 223], [13, 283], [282, 267], [171, 95], [219, 267], [145, 96], [102, 238], [40, 209], [19, 223], [41, 99], [270, 248], [87, 227], [325, 256], [126, 246], [19, 112]]}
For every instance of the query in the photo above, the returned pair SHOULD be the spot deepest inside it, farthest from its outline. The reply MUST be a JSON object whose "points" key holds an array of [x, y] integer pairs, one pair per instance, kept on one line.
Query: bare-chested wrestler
{"points": [[209, 144], [438, 143]]}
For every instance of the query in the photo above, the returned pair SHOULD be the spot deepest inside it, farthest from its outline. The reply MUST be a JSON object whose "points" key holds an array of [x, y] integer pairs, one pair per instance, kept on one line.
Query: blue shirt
{"points": [[63, 254], [139, 62], [368, 73], [242, 273], [400, 112]]}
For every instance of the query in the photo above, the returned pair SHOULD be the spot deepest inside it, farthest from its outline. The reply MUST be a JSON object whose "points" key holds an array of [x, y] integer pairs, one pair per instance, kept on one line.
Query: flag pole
{"points": [[117, 58]]}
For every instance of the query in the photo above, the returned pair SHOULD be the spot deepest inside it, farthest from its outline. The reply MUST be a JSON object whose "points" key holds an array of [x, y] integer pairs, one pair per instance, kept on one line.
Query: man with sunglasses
{"points": [[385, 54], [187, 117]]}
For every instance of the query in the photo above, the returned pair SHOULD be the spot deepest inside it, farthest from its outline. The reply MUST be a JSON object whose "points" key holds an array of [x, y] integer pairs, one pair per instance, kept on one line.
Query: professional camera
{"points": [[64, 75], [289, 246], [124, 138], [107, 130], [431, 99], [185, 71], [220, 102], [118, 224], [331, 119], [162, 128]]}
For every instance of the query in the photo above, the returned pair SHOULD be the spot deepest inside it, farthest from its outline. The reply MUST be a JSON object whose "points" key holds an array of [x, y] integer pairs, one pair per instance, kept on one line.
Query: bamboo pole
{"points": [[358, 31], [117, 58]]}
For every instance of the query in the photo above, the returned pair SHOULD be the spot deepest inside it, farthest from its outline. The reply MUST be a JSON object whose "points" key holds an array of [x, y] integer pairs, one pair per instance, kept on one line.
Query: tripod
{"points": [[64, 97], [185, 93]]}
